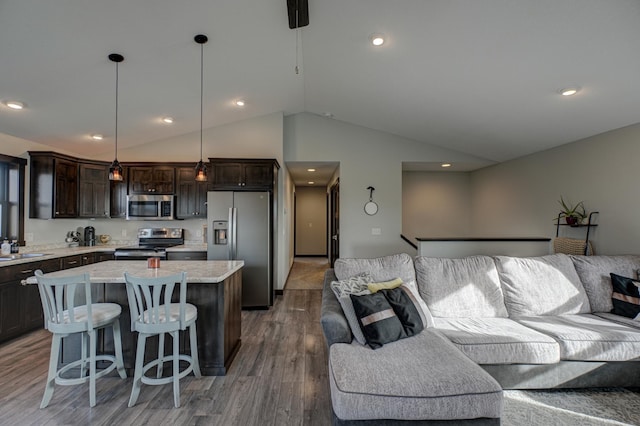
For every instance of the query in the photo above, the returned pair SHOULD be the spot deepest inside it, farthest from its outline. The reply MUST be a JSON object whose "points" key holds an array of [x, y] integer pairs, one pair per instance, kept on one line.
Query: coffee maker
{"points": [[89, 236]]}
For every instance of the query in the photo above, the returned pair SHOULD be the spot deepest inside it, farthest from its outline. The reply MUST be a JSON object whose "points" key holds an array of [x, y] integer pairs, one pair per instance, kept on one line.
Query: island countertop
{"points": [[198, 271]]}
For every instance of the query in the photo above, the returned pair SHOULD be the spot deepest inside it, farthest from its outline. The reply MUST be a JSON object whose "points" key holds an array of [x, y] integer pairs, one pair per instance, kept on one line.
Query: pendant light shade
{"points": [[201, 168], [115, 170]]}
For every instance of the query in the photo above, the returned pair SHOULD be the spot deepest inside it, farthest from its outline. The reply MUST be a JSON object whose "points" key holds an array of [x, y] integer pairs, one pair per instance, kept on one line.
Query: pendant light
{"points": [[115, 170], [201, 168]]}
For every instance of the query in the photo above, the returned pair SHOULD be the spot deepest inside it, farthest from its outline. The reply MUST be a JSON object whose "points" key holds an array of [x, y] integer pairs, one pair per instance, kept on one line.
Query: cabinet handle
{"points": [[73, 262], [26, 271]]}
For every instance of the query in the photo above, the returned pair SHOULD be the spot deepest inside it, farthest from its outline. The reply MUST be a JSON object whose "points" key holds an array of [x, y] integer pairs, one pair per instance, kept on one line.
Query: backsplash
{"points": [[52, 233]]}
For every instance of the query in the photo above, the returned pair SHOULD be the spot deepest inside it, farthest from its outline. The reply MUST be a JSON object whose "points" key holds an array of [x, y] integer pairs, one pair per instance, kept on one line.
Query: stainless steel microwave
{"points": [[150, 207]]}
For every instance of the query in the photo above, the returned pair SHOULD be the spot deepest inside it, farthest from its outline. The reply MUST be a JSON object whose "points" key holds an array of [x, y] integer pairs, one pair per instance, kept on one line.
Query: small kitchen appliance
{"points": [[89, 236]]}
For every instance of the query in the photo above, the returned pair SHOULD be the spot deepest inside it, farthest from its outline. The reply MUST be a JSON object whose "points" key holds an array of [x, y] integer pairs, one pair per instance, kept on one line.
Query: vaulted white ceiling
{"points": [[480, 77]]}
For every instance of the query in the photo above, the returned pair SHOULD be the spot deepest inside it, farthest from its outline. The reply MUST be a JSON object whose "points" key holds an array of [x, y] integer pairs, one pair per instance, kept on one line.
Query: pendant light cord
{"points": [[116, 153], [201, 92]]}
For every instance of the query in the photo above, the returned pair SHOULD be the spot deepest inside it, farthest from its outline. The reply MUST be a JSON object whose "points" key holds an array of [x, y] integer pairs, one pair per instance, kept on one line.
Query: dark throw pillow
{"points": [[377, 319], [407, 310], [626, 296]]}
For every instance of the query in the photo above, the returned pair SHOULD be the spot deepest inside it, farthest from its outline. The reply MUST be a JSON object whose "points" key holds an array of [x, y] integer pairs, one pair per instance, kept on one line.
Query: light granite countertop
{"points": [[53, 253], [198, 271]]}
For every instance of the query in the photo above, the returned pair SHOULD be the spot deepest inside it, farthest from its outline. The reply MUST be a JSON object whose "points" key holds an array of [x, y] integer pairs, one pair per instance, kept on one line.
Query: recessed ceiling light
{"points": [[311, 170], [97, 137], [328, 114], [311, 182], [15, 104], [569, 91], [377, 39], [168, 120], [445, 165], [240, 103]]}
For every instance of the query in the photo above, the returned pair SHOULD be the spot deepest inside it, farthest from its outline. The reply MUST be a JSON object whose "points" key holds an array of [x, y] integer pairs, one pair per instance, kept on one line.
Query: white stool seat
{"points": [[63, 318], [153, 313], [101, 313], [190, 315]]}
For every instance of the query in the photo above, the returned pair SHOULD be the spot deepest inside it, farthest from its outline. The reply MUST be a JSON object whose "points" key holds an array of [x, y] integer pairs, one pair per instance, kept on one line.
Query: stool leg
{"points": [[93, 343], [137, 377], [83, 354], [117, 343], [53, 370], [193, 340], [160, 355], [176, 369]]}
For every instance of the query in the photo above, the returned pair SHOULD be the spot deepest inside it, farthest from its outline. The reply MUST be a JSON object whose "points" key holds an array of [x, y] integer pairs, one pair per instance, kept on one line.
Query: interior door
{"points": [[335, 222]]}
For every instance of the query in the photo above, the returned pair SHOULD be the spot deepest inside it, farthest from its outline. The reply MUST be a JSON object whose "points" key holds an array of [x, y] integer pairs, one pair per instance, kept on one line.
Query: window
{"points": [[12, 197]]}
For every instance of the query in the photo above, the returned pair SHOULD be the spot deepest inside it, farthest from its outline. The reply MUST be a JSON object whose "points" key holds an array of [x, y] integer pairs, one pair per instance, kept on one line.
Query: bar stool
{"points": [[152, 313], [64, 318]]}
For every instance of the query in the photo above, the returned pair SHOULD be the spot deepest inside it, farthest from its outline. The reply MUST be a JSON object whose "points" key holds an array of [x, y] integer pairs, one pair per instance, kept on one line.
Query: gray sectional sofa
{"points": [[497, 323]]}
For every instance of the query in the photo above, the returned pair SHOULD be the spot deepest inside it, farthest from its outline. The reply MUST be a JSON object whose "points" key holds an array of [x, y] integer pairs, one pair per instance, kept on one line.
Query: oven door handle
{"points": [[138, 253]]}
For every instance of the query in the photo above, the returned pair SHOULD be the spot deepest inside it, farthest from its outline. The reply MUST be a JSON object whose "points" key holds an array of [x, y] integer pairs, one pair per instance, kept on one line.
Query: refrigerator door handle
{"points": [[234, 232], [230, 235]]}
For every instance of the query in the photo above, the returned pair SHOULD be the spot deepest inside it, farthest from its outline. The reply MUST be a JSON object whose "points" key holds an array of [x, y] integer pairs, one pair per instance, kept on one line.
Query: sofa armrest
{"points": [[334, 324]]}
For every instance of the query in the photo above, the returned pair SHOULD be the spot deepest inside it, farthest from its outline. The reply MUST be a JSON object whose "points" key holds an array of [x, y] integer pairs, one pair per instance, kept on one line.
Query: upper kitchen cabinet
{"points": [[191, 195], [53, 186], [118, 195], [155, 179], [243, 174], [93, 195]]}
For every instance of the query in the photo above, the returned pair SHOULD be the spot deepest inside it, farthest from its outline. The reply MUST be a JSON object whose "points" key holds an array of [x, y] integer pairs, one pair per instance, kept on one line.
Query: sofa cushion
{"points": [[378, 320], [545, 285], [381, 269], [334, 323], [343, 289], [625, 297], [587, 337], [422, 377], [498, 341], [619, 319], [460, 288], [594, 274]]}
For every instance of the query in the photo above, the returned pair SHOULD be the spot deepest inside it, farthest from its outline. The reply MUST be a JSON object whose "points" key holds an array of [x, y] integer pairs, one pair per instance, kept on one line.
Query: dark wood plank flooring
{"points": [[279, 377]]}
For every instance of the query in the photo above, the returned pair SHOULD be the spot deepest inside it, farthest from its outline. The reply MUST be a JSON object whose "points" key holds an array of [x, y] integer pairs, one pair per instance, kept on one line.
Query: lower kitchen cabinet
{"points": [[187, 255], [10, 318], [20, 305]]}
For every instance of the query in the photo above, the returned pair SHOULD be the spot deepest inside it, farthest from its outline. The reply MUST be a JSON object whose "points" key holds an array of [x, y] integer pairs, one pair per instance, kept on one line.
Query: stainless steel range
{"points": [[152, 242]]}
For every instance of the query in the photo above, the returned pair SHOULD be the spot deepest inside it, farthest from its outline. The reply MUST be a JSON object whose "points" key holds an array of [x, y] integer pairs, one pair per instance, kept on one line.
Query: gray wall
{"points": [[519, 197], [367, 158], [436, 204], [311, 221]]}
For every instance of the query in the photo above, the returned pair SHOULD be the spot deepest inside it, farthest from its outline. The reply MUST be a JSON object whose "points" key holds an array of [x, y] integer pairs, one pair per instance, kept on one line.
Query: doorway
{"points": [[334, 222]]}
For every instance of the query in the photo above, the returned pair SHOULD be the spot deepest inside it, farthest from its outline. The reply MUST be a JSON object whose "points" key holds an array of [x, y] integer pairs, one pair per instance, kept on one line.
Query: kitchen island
{"points": [[214, 287]]}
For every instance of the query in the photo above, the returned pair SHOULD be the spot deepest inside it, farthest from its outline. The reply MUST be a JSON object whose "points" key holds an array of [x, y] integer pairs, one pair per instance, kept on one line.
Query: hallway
{"points": [[307, 273]]}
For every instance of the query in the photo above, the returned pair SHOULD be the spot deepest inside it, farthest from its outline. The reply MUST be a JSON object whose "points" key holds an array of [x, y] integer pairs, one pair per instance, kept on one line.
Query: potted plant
{"points": [[573, 214]]}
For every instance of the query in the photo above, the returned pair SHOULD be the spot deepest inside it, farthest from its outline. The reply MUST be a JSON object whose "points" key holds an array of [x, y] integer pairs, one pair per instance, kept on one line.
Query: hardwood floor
{"points": [[279, 377]]}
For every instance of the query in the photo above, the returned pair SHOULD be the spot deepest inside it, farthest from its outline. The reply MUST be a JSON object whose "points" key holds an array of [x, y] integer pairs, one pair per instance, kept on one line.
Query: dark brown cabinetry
{"points": [[187, 255], [151, 179], [20, 306], [93, 195], [191, 195], [243, 174], [118, 195], [77, 260], [103, 257], [54, 186]]}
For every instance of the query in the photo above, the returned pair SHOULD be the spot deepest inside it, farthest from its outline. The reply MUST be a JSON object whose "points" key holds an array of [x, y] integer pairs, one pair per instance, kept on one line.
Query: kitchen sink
{"points": [[16, 256]]}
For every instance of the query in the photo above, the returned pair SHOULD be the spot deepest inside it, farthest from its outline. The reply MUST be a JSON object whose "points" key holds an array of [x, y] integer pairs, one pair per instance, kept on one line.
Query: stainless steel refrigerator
{"points": [[239, 228]]}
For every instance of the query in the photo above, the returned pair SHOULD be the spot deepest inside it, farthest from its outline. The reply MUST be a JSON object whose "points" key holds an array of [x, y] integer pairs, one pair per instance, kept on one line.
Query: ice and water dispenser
{"points": [[220, 232]]}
